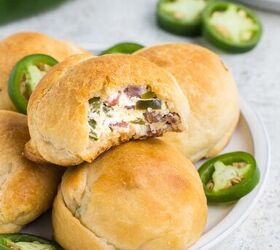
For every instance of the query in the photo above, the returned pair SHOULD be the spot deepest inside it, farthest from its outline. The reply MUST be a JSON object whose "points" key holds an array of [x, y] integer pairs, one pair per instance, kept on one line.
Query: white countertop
{"points": [[257, 74]]}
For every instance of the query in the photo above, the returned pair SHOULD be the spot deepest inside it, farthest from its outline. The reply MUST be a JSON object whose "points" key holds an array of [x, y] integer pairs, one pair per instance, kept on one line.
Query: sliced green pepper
{"points": [[148, 95], [95, 103], [26, 242], [148, 103], [182, 17], [123, 48], [138, 121], [231, 27], [229, 177], [25, 76]]}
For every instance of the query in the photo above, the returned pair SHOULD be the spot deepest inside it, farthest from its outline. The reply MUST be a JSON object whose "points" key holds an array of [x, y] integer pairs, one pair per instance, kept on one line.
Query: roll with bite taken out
{"points": [[212, 94], [140, 195], [86, 105], [27, 189]]}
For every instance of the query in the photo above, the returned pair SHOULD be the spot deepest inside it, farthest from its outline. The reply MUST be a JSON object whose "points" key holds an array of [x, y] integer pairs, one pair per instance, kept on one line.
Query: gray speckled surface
{"points": [[257, 74]]}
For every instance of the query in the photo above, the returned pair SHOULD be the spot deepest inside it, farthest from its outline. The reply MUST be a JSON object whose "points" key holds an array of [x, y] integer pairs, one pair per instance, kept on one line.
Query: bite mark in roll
{"points": [[134, 110], [85, 105]]}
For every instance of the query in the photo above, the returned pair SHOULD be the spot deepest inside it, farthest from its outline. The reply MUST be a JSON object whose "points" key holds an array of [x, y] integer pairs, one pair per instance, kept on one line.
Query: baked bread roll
{"points": [[85, 105], [212, 95], [139, 195], [26, 189], [19, 45]]}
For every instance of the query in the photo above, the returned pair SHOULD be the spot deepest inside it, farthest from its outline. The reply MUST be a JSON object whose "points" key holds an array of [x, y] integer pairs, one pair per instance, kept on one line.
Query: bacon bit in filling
{"points": [[135, 110]]}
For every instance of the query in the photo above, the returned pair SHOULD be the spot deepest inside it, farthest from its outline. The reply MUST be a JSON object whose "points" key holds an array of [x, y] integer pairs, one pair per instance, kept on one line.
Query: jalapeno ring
{"points": [[25, 76], [229, 177], [231, 27], [16, 241], [182, 17]]}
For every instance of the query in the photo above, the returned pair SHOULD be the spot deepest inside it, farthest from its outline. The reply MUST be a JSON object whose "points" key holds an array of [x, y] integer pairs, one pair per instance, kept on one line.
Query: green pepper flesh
{"points": [[26, 242], [229, 177], [148, 95], [148, 103], [123, 48], [25, 76], [182, 17], [231, 27]]}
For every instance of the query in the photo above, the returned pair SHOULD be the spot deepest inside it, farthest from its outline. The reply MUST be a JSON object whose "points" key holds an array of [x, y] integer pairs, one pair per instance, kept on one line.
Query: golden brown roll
{"points": [[139, 195], [85, 105], [212, 95], [19, 45], [26, 189]]}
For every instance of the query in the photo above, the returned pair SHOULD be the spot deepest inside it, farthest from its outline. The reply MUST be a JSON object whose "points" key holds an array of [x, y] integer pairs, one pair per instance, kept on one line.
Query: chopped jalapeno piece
{"points": [[148, 95], [107, 110], [181, 17], [26, 242], [95, 102], [148, 103], [231, 27], [93, 135], [123, 48], [229, 177], [92, 123], [25, 76], [138, 121]]}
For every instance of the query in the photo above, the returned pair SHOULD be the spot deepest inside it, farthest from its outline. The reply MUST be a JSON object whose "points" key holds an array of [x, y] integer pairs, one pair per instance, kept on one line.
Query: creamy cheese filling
{"points": [[134, 110]]}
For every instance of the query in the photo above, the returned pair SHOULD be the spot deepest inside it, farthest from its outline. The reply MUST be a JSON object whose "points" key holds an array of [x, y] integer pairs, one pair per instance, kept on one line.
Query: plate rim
{"points": [[258, 133]]}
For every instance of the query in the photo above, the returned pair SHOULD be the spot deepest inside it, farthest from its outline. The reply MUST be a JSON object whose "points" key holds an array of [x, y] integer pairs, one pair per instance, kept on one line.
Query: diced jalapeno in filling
{"points": [[184, 10], [226, 176], [234, 24], [134, 110]]}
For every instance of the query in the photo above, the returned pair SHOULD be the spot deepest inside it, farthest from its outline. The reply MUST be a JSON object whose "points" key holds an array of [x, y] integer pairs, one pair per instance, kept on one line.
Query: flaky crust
{"points": [[26, 189], [139, 195], [212, 95], [57, 109], [19, 45]]}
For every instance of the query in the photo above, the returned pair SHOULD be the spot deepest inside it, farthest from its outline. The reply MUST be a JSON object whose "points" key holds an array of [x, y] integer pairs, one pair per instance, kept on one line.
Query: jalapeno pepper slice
{"points": [[231, 27], [25, 76], [182, 17], [122, 48], [26, 241], [229, 177]]}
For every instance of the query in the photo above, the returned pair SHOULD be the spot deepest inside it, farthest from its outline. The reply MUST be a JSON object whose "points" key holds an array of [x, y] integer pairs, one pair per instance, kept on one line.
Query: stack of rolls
{"points": [[98, 116], [27, 189]]}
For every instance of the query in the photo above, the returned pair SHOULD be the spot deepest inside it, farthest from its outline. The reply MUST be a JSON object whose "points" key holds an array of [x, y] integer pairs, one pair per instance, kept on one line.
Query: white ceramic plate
{"points": [[250, 136]]}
